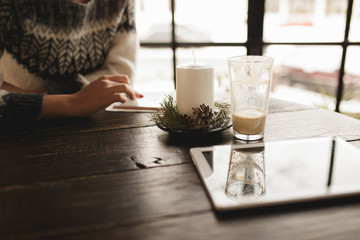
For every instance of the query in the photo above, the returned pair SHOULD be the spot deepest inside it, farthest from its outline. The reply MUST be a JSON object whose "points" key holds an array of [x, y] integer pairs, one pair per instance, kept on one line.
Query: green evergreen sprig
{"points": [[168, 117]]}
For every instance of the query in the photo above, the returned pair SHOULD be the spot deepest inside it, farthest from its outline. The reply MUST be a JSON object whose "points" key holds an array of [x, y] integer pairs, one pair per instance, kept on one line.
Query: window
{"points": [[315, 44]]}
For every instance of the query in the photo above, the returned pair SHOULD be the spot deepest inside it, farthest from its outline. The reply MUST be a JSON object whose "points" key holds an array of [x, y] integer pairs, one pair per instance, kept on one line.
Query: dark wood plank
{"points": [[331, 223], [40, 159], [98, 202], [101, 121], [84, 155]]}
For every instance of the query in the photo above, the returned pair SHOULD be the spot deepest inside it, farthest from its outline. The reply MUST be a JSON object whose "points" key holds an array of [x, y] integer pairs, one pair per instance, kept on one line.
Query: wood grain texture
{"points": [[161, 203], [117, 176], [101, 121], [310, 123], [87, 153], [330, 223], [103, 201]]}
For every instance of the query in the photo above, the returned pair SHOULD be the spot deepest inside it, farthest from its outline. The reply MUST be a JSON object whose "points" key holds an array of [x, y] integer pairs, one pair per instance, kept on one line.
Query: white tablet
{"points": [[272, 173]]}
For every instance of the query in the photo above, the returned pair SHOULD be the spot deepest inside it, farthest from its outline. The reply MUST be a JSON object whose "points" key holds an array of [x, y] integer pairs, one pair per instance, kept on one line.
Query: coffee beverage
{"points": [[249, 121]]}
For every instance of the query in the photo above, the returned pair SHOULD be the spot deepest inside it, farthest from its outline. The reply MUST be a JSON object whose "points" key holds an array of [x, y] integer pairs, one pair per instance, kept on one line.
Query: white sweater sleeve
{"points": [[121, 58]]}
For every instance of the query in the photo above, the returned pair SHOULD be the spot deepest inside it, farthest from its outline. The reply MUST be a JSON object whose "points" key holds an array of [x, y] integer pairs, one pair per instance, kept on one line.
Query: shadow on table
{"points": [[198, 140], [285, 208]]}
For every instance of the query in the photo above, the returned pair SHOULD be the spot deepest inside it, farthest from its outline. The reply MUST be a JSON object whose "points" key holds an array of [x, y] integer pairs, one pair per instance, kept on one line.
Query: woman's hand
{"points": [[97, 95], [102, 92]]}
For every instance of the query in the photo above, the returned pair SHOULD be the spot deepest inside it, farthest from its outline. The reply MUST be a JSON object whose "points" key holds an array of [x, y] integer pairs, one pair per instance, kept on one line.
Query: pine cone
{"points": [[202, 117], [188, 121]]}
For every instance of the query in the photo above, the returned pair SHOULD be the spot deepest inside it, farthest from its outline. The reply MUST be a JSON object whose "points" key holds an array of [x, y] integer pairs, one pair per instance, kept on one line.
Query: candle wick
{"points": [[194, 57]]}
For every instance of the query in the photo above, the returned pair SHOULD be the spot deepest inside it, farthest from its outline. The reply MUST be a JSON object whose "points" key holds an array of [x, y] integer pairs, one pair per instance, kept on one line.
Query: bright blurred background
{"points": [[305, 37]]}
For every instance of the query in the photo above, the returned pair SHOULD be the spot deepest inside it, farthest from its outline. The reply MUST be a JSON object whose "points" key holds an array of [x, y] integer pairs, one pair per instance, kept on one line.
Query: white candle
{"points": [[194, 86]]}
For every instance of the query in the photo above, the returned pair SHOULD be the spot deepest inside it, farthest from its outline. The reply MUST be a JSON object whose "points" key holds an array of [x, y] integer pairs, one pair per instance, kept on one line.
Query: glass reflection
{"points": [[246, 175]]}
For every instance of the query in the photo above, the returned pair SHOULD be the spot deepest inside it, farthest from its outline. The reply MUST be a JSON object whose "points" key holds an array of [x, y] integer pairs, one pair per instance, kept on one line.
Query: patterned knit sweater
{"points": [[60, 45]]}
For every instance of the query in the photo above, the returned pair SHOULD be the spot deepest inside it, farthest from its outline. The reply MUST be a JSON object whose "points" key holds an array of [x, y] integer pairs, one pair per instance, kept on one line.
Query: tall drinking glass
{"points": [[250, 83]]}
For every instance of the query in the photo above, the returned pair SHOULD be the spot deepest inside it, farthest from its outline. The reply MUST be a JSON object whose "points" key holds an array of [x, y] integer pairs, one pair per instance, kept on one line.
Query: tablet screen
{"points": [[270, 173]]}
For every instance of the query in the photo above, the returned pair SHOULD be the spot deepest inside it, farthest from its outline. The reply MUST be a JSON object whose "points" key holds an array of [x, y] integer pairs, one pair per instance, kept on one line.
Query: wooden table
{"points": [[117, 176]]}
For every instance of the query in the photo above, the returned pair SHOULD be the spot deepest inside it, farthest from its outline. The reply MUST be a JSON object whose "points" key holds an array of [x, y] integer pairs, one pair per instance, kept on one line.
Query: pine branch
{"points": [[169, 117]]}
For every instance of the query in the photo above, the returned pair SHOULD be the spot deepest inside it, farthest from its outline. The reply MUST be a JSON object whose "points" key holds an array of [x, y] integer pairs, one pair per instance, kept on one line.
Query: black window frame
{"points": [[255, 42]]}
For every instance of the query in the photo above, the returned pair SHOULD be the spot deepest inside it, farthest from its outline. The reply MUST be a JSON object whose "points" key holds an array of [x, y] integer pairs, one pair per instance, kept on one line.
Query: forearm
{"points": [[57, 106]]}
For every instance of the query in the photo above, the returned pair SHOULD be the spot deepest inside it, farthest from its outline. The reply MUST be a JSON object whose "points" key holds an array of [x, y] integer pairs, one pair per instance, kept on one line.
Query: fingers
{"points": [[119, 97], [138, 95], [127, 90], [118, 86]]}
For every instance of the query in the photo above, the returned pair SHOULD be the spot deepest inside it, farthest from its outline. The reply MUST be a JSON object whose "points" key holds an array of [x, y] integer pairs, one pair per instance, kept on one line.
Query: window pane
{"points": [[306, 74], [304, 20], [350, 103], [211, 20], [216, 56], [153, 20], [154, 70], [354, 34]]}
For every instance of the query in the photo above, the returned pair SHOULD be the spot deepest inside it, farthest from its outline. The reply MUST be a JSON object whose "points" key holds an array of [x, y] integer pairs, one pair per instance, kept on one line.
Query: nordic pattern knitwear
{"points": [[59, 41]]}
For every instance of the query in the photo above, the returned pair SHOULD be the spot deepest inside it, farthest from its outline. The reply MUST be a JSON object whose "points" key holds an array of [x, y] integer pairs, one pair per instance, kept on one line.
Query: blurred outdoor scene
{"points": [[303, 73]]}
